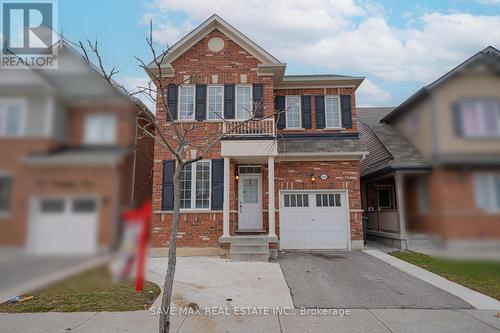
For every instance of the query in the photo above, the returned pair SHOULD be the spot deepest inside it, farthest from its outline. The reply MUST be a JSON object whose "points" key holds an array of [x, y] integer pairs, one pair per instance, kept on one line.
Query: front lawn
{"points": [[481, 276], [92, 290]]}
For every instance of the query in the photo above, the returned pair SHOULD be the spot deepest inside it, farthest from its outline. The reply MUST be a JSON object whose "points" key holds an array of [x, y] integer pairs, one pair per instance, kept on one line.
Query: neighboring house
{"points": [[434, 162], [292, 182], [67, 141]]}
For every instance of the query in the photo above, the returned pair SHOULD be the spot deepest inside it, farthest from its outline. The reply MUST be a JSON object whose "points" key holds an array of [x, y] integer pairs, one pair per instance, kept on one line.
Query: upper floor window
{"points": [[487, 191], [195, 185], [292, 114], [215, 102], [100, 129], [332, 112], [480, 118], [5, 193], [12, 117], [186, 102], [243, 102]]}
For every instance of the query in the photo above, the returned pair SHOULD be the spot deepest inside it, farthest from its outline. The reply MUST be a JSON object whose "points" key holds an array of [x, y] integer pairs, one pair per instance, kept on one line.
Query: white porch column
{"points": [[225, 207], [270, 208], [400, 197]]}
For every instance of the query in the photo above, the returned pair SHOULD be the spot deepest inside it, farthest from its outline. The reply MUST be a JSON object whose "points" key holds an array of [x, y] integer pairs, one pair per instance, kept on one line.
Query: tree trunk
{"points": [[172, 252]]}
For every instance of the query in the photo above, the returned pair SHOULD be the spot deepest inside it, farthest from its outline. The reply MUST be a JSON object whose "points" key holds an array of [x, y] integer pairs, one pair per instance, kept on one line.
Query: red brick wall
{"points": [[204, 228], [316, 92], [30, 181], [143, 178], [452, 207], [342, 175]]}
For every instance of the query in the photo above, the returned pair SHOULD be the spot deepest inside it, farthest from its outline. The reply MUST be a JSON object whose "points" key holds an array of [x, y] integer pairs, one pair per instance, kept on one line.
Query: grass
{"points": [[92, 290], [479, 275]]}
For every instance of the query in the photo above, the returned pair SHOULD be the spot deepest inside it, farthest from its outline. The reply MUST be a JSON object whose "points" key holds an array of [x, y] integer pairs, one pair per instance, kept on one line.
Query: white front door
{"points": [[250, 202]]}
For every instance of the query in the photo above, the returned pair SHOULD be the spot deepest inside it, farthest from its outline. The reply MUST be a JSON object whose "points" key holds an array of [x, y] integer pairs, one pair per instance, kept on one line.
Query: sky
{"points": [[397, 45]]}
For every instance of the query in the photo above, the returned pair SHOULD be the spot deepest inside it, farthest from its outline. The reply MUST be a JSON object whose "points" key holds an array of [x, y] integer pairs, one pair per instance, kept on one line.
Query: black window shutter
{"points": [[229, 101], [258, 99], [168, 185], [171, 102], [306, 111], [201, 97], [345, 102], [217, 184], [457, 120], [320, 111], [280, 111]]}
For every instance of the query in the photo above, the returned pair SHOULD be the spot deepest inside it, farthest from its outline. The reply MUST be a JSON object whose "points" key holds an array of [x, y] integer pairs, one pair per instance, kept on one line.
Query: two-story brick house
{"points": [[69, 162], [434, 163], [290, 180]]}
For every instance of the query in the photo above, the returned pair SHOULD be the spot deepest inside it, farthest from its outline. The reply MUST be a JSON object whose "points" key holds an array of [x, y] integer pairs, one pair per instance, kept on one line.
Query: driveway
{"points": [[357, 280]]}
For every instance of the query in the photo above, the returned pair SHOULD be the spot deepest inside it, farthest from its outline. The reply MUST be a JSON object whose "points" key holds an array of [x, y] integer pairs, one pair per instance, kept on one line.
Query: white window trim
{"points": [[236, 100], [391, 197], [179, 103], [193, 188], [208, 104], [493, 209], [339, 109], [100, 114], [22, 128], [300, 112]]}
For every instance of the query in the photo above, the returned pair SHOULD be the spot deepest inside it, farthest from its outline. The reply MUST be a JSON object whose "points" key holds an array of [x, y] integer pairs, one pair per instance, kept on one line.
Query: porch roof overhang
{"points": [[75, 157], [391, 170]]}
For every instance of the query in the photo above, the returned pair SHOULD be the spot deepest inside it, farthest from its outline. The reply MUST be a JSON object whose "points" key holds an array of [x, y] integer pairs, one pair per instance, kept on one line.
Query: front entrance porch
{"points": [[385, 204]]}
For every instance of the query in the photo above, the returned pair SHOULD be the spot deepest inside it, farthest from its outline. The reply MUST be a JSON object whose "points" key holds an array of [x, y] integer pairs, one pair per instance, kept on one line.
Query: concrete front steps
{"points": [[249, 248]]}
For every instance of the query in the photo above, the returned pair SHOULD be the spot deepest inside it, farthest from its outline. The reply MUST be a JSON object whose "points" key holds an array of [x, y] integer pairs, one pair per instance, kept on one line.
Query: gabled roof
{"points": [[216, 22], [388, 148], [490, 56]]}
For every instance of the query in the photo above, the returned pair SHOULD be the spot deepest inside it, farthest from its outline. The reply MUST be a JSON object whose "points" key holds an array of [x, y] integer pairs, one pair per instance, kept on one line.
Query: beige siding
{"points": [[415, 124], [470, 85]]}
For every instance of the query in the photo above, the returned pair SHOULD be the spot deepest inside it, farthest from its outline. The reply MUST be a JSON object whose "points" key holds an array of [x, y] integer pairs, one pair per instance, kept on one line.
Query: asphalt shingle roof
{"points": [[388, 148]]}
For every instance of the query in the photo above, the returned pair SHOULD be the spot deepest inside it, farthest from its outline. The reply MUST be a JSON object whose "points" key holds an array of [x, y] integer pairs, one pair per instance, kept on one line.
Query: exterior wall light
{"points": [[313, 177], [237, 176]]}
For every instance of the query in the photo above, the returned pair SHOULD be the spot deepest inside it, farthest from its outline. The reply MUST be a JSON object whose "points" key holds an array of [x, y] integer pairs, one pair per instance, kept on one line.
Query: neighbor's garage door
{"points": [[64, 226], [313, 220]]}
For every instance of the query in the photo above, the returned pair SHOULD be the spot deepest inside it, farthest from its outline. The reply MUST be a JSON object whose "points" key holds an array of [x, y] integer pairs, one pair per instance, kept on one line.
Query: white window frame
{"points": [[492, 194], [339, 109], [208, 102], [193, 86], [287, 110], [90, 141], [481, 121], [236, 100], [3, 123], [6, 213], [193, 187]]}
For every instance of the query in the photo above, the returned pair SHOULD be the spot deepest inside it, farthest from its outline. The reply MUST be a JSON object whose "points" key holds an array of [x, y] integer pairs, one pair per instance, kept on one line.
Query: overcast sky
{"points": [[397, 45]]}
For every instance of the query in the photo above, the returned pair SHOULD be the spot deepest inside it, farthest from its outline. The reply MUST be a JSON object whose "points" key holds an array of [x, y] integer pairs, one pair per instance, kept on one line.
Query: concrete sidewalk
{"points": [[373, 320]]}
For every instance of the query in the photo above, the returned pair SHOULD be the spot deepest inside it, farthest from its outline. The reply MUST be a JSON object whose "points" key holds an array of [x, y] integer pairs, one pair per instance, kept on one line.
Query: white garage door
{"points": [[313, 220], [65, 226]]}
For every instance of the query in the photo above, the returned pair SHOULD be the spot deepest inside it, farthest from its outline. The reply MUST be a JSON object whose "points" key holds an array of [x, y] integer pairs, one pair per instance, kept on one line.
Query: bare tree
{"points": [[179, 139]]}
